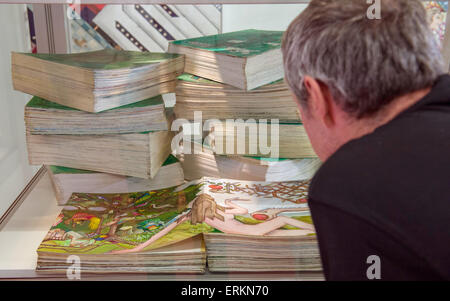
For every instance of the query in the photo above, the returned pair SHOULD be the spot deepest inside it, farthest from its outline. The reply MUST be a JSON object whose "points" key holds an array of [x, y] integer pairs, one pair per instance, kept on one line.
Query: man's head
{"points": [[346, 70]]}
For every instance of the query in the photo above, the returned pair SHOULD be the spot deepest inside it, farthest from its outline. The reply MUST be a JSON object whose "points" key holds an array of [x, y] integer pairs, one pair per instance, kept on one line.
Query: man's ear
{"points": [[320, 100]]}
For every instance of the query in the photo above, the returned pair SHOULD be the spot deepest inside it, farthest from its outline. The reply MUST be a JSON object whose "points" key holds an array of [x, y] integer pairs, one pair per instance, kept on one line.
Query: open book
{"points": [[133, 225]]}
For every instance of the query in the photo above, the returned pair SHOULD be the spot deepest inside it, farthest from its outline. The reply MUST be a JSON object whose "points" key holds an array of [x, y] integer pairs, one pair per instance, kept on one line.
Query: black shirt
{"points": [[388, 194]]}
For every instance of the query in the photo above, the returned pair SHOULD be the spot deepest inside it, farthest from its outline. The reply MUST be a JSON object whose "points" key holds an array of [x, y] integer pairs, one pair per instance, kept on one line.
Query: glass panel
{"points": [[15, 171]]}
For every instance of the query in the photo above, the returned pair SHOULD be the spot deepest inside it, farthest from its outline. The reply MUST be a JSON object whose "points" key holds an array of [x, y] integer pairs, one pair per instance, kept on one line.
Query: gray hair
{"points": [[365, 63]]}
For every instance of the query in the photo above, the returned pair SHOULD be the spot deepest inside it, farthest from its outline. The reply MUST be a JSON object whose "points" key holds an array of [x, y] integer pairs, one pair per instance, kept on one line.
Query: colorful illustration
{"points": [[141, 221], [100, 223], [244, 43], [246, 208]]}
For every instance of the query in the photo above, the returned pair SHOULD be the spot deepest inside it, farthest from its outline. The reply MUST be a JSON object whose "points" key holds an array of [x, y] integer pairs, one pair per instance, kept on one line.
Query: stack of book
{"points": [[98, 122], [96, 227], [247, 226], [240, 253], [221, 101], [263, 227], [239, 76], [214, 91], [100, 111]]}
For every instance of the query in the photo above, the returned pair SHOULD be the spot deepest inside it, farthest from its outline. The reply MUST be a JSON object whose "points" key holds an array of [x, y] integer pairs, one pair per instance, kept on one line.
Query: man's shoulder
{"points": [[344, 171], [396, 160]]}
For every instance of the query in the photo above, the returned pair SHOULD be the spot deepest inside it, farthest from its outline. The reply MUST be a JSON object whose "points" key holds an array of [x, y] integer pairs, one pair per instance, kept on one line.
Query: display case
{"points": [[28, 207]]}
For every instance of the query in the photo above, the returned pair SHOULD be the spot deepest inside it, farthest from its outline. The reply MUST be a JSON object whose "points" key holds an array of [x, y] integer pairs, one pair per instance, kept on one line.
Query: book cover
{"points": [[47, 117], [200, 80], [107, 59], [244, 43], [40, 103], [55, 169]]}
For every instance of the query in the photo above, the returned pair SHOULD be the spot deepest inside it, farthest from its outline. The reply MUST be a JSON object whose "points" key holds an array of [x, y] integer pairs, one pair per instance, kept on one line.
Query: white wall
{"points": [[262, 16], [14, 169]]}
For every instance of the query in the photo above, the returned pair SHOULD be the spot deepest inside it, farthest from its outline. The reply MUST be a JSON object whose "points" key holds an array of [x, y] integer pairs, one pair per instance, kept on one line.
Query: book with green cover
{"points": [[221, 101], [197, 79], [47, 117], [40, 103], [55, 169], [106, 59], [96, 81], [139, 154], [287, 140], [245, 59], [244, 43]]}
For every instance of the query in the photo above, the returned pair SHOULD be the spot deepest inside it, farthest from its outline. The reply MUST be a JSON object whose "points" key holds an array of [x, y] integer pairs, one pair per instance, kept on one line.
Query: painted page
{"points": [[107, 223], [223, 206], [142, 221], [254, 208]]}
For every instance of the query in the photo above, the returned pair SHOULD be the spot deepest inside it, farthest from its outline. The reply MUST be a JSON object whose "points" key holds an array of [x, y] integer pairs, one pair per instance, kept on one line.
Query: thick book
{"points": [[250, 222], [95, 226], [46, 117], [133, 154], [245, 59], [96, 81], [220, 101], [270, 254], [187, 257], [260, 139], [204, 163], [66, 180]]}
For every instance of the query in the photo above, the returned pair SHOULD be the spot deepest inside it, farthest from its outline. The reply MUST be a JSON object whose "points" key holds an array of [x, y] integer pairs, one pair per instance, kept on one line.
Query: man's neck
{"points": [[365, 126]]}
